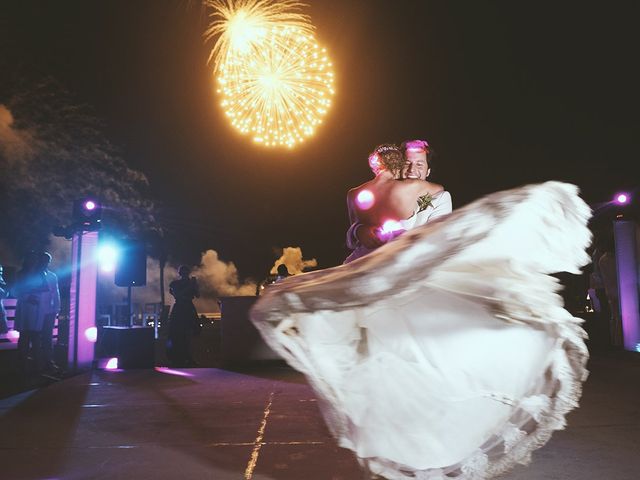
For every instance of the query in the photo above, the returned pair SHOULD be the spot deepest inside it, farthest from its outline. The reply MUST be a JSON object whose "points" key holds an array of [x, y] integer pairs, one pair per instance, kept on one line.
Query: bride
{"points": [[399, 198], [446, 353]]}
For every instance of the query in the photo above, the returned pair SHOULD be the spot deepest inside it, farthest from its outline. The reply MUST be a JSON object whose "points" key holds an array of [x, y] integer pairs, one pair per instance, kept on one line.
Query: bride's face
{"points": [[416, 165]]}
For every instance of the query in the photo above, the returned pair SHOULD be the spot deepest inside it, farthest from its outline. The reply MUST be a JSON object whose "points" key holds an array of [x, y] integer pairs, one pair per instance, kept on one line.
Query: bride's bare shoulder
{"points": [[422, 187], [432, 188], [353, 191]]}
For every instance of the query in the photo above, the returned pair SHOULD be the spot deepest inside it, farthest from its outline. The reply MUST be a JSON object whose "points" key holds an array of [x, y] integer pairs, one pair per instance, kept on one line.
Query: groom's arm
{"points": [[352, 239], [442, 205], [359, 233]]}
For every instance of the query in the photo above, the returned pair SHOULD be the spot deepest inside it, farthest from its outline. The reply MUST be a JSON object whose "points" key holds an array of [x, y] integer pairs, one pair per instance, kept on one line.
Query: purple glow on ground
{"points": [[365, 199], [91, 334], [622, 198], [112, 364], [170, 371], [90, 205]]}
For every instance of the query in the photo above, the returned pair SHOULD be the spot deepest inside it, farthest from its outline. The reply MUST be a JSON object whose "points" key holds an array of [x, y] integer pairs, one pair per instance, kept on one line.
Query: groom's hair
{"points": [[421, 145]]}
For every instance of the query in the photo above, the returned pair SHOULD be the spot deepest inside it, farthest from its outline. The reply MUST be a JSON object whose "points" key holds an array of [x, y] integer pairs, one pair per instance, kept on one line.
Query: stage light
{"points": [[622, 198], [87, 214], [112, 364], [91, 334], [107, 257]]}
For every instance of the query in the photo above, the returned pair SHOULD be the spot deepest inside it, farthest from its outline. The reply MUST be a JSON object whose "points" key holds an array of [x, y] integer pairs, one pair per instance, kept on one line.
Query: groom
{"points": [[418, 159]]}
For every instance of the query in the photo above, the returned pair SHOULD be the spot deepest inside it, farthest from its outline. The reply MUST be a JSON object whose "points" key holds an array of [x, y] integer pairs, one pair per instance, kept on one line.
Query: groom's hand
{"points": [[368, 237]]}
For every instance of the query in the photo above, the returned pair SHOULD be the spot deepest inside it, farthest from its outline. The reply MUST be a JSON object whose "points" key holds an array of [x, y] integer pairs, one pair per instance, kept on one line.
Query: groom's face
{"points": [[416, 165]]}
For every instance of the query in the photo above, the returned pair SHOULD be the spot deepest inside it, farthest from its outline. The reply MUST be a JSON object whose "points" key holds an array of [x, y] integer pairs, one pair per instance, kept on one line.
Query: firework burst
{"points": [[275, 81], [241, 25]]}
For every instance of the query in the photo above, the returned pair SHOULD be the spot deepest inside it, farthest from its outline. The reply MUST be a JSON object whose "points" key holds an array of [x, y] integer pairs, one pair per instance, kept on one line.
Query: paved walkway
{"points": [[263, 424]]}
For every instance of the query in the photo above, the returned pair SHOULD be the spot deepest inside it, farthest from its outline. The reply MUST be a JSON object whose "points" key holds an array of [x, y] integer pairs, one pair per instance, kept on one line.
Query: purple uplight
{"points": [[90, 205], [622, 198], [13, 336], [112, 364]]}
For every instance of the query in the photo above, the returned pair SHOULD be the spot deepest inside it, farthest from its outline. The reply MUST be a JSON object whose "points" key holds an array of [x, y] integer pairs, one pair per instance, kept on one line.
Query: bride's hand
{"points": [[367, 236]]}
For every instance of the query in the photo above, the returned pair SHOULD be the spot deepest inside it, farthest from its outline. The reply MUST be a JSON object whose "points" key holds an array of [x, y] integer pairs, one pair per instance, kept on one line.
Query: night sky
{"points": [[507, 92]]}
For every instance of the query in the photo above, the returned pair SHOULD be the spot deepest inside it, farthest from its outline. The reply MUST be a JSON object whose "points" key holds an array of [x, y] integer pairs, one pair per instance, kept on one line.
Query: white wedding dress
{"points": [[446, 353]]}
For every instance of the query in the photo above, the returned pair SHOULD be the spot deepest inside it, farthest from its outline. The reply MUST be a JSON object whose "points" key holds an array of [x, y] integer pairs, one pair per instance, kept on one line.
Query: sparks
{"points": [[241, 25], [275, 81]]}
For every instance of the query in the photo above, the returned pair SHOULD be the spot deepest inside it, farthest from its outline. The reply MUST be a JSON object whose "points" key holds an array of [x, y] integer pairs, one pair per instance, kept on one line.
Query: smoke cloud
{"points": [[220, 279], [292, 258], [216, 278], [14, 144]]}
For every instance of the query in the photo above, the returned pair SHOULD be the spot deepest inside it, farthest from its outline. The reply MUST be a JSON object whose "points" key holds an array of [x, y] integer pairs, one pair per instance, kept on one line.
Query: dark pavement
{"points": [[264, 423], [261, 422]]}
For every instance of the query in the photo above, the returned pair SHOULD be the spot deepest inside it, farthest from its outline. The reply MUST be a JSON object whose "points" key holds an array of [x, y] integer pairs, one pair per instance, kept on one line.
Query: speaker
{"points": [[131, 270], [132, 346]]}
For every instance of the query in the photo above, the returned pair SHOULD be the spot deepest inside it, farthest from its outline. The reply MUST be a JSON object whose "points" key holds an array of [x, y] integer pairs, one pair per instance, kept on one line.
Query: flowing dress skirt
{"points": [[447, 352]]}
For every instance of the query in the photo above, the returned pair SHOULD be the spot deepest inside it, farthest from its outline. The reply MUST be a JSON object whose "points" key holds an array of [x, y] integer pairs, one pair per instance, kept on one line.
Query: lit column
{"points": [[626, 245], [82, 305]]}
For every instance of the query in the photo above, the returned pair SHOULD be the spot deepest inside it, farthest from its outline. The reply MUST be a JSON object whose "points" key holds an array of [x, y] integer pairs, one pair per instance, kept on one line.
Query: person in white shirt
{"points": [[38, 305], [50, 305]]}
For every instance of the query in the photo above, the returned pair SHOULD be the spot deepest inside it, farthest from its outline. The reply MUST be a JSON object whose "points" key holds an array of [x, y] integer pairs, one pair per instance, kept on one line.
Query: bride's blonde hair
{"points": [[387, 156]]}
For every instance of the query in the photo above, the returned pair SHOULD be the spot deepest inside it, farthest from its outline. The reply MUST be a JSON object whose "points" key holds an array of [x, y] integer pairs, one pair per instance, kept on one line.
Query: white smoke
{"points": [[216, 278], [14, 144], [292, 258], [220, 279]]}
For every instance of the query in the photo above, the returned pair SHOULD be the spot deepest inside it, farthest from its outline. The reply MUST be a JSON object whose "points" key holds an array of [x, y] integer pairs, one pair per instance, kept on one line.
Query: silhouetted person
{"points": [[50, 304], [28, 321], [608, 270], [183, 320], [283, 272], [36, 311]]}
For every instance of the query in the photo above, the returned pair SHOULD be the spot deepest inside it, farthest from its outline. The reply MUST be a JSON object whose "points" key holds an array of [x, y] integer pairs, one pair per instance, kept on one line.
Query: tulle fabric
{"points": [[446, 353]]}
